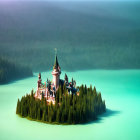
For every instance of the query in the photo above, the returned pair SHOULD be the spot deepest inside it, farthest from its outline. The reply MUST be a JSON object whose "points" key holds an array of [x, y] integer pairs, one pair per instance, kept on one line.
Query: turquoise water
{"points": [[120, 89]]}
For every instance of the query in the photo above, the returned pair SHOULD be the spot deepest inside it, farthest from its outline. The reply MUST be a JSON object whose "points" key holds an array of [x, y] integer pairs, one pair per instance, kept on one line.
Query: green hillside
{"points": [[10, 71], [109, 33]]}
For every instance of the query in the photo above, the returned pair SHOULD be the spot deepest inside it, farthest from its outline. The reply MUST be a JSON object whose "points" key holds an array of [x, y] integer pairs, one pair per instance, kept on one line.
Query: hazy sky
{"points": [[69, 0]]}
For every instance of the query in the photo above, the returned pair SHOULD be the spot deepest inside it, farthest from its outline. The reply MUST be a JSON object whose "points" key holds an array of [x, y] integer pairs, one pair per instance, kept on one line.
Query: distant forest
{"points": [[87, 35], [10, 71]]}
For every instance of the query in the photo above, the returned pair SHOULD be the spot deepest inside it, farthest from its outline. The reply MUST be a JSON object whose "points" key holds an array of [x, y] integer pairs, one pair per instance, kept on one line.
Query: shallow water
{"points": [[120, 89]]}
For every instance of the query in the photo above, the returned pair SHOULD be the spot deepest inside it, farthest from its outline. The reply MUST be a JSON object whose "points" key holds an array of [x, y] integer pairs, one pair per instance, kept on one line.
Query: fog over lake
{"points": [[88, 35]]}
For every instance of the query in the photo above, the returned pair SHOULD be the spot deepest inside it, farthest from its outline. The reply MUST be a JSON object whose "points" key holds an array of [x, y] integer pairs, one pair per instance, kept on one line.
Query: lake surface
{"points": [[120, 89]]}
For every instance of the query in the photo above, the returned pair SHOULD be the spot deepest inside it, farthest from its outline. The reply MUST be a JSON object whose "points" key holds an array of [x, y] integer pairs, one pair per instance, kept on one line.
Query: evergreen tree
{"points": [[44, 115], [67, 109], [70, 116], [58, 116], [38, 114]]}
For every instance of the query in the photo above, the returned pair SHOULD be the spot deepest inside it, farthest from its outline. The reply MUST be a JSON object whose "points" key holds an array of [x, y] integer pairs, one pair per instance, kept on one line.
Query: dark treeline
{"points": [[10, 71], [109, 36], [68, 108]]}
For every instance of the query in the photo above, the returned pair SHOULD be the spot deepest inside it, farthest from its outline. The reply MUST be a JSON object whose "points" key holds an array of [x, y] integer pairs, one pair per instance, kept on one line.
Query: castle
{"points": [[49, 88]]}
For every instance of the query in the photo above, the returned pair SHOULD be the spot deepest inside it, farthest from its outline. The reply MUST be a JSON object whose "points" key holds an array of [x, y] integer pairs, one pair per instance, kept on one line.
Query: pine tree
{"points": [[58, 117], [44, 115], [18, 108], [38, 114], [68, 108], [70, 116]]}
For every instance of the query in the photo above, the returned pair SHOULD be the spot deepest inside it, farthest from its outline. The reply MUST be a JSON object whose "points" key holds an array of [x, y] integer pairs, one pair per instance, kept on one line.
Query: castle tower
{"points": [[66, 78], [38, 85], [39, 81], [56, 73]]}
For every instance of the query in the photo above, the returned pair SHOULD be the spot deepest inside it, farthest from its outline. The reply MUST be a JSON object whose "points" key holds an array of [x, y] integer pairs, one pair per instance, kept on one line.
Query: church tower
{"points": [[56, 73]]}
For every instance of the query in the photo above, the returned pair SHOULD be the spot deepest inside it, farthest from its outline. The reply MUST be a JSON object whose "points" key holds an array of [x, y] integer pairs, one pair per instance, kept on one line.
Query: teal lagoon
{"points": [[119, 88]]}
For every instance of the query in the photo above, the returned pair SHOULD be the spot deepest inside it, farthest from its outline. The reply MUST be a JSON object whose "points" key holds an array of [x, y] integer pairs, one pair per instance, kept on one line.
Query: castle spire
{"points": [[56, 60], [56, 72]]}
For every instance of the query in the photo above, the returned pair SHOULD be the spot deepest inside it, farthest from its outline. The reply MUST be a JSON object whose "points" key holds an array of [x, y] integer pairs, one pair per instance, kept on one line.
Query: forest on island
{"points": [[68, 108], [10, 71]]}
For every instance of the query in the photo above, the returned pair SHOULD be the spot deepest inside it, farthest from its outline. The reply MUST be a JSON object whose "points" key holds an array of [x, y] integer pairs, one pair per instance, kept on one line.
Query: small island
{"points": [[61, 102]]}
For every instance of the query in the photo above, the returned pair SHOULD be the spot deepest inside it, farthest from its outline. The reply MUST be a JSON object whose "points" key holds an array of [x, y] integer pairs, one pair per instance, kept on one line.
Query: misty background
{"points": [[87, 35]]}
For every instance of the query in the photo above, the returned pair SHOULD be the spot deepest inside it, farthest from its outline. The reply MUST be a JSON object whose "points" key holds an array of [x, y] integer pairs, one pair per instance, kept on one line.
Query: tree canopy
{"points": [[68, 108], [11, 71]]}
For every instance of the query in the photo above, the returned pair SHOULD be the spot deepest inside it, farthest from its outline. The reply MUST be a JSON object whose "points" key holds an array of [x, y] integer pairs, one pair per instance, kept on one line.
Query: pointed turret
{"points": [[39, 81], [66, 78], [56, 73], [39, 76], [56, 65]]}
